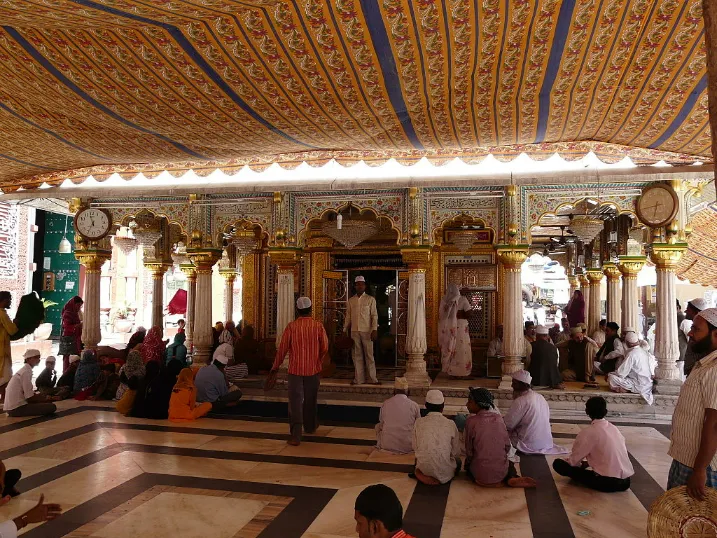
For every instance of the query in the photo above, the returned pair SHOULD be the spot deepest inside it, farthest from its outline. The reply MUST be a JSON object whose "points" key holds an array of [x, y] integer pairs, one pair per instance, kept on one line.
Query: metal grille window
{"points": [[479, 322], [8, 241]]}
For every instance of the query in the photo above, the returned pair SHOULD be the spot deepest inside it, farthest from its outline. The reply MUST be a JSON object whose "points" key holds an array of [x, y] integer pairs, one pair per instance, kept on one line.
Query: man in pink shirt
{"points": [[608, 467]]}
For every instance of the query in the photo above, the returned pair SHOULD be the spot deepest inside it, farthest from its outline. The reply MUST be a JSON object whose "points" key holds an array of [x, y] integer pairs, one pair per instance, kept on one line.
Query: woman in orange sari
{"points": [[183, 402]]}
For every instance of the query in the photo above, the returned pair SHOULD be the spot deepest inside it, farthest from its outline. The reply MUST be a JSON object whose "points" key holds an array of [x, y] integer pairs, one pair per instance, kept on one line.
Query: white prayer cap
{"points": [[709, 315], [435, 397], [302, 303], [30, 353], [698, 304], [219, 357], [51, 358], [628, 330], [359, 279], [74, 358], [541, 329], [576, 330], [400, 383], [524, 376], [632, 338]]}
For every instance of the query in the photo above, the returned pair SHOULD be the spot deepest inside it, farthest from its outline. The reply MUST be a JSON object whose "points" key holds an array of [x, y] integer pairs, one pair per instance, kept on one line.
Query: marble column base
{"points": [[667, 386], [201, 356], [416, 373], [509, 366]]}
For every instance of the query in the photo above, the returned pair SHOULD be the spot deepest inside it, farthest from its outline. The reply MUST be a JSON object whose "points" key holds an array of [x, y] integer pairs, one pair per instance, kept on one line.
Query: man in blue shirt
{"points": [[212, 386]]}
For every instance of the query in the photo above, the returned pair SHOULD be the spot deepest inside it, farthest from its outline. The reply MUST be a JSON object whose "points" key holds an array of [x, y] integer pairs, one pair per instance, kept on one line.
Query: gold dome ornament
{"points": [[676, 514]]}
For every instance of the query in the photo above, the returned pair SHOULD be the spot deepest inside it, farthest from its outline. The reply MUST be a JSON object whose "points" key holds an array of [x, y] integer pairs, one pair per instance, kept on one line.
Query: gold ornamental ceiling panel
{"points": [[103, 86]]}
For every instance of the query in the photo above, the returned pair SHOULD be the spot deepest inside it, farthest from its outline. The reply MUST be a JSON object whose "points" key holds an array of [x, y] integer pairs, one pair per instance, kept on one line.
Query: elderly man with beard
{"points": [[694, 307], [693, 444]]}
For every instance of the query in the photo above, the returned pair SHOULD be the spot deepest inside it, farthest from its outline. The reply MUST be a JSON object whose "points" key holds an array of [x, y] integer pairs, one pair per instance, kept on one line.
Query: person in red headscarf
{"points": [[71, 337], [153, 347], [575, 310]]}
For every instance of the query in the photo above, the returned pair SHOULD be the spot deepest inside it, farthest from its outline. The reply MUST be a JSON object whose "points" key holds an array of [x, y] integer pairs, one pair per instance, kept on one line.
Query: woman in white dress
{"points": [[453, 336]]}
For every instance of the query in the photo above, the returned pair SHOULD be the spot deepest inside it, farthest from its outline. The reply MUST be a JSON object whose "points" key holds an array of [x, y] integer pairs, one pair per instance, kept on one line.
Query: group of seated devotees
{"points": [[437, 444], [21, 400]]}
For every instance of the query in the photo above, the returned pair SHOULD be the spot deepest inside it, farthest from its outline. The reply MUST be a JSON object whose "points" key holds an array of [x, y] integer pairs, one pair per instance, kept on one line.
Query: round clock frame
{"points": [[650, 221], [109, 223]]}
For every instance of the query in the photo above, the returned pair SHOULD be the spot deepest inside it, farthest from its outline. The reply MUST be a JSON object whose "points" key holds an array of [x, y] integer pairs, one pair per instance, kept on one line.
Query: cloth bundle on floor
{"points": [[30, 313]]}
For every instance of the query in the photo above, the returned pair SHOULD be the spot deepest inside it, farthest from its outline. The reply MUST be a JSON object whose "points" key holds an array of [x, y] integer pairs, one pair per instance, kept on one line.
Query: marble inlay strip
{"points": [[548, 518], [292, 522], [425, 513], [645, 488], [50, 440]]}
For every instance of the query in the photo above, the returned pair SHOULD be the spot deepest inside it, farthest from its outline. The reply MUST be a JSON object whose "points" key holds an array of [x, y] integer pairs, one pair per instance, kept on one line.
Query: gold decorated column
{"points": [[511, 258], [612, 272], [418, 260], [191, 272], [668, 378], [630, 266], [229, 276], [574, 282], [92, 260], [585, 288], [203, 258], [157, 269], [594, 314], [320, 253]]}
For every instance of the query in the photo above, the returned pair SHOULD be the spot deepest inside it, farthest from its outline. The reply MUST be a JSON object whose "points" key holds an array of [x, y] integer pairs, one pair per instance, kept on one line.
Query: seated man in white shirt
{"points": [[495, 347], [20, 397], [608, 467], [634, 373], [397, 419], [436, 443]]}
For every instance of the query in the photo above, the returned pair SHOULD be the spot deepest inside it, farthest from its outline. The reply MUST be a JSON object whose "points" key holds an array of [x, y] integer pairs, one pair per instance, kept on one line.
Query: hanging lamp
{"points": [[65, 247]]}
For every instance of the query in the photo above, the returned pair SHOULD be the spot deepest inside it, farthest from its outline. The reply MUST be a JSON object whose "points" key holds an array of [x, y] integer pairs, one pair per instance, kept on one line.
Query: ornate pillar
{"points": [[418, 260], [320, 248], [511, 258], [585, 288], [157, 269], [595, 277], [230, 276], [629, 267], [203, 259], [574, 282], [92, 260], [667, 351], [252, 295], [612, 272], [285, 259], [191, 272]]}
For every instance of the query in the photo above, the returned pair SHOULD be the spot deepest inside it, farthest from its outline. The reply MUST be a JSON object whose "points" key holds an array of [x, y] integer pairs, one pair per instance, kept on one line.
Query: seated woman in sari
{"points": [[177, 350], [183, 402]]}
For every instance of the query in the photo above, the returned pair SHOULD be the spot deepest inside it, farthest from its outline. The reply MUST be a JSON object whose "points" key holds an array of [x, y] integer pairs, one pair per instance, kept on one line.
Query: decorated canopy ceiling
{"points": [[121, 85]]}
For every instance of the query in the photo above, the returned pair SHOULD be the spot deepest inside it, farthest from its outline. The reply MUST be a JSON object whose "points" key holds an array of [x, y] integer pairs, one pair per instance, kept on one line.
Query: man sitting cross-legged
{"points": [[436, 443], [608, 467], [397, 419], [488, 444]]}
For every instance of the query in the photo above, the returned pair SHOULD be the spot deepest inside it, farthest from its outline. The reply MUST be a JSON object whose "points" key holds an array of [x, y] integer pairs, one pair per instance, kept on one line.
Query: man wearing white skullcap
{"points": [[20, 398], [693, 444], [634, 373], [362, 323], [305, 341], [544, 361], [528, 419], [437, 444], [397, 419], [690, 356]]}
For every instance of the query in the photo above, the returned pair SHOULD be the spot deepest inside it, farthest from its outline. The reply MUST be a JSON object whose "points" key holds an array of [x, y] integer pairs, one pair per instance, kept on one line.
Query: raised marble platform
{"points": [[569, 403]]}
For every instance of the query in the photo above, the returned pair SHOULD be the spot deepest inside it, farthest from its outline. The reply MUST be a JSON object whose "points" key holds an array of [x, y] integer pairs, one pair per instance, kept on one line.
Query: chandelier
{"points": [[464, 239], [244, 241], [125, 241], [586, 228], [147, 233], [179, 254], [350, 232], [637, 234]]}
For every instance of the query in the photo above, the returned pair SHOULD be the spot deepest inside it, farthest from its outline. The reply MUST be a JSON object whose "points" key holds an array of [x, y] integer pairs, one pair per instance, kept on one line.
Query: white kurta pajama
{"points": [[453, 336], [362, 318], [528, 423], [634, 374]]}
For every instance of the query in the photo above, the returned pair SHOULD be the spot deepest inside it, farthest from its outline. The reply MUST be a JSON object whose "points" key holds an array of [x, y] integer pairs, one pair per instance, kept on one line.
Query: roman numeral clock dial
{"points": [[93, 223]]}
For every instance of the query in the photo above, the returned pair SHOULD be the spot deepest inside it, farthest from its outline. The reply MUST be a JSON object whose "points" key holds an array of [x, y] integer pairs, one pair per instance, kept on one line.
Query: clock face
{"points": [[92, 223], [657, 206]]}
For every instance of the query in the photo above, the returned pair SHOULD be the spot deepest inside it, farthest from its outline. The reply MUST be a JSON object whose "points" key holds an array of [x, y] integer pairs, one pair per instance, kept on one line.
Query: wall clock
{"points": [[657, 205], [93, 223]]}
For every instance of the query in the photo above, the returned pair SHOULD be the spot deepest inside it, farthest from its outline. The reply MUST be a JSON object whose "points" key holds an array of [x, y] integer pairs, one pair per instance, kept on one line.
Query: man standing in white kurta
{"points": [[362, 321]]}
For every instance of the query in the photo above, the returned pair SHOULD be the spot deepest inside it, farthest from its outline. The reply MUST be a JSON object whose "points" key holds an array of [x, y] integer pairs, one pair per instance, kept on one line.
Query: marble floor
{"points": [[236, 477]]}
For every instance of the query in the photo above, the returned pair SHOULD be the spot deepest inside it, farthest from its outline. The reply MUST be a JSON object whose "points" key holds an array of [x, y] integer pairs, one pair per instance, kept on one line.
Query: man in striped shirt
{"points": [[305, 340], [693, 444]]}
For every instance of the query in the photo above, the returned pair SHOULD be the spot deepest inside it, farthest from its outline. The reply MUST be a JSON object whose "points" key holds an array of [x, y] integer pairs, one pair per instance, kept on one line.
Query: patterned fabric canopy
{"points": [[127, 85], [698, 263]]}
